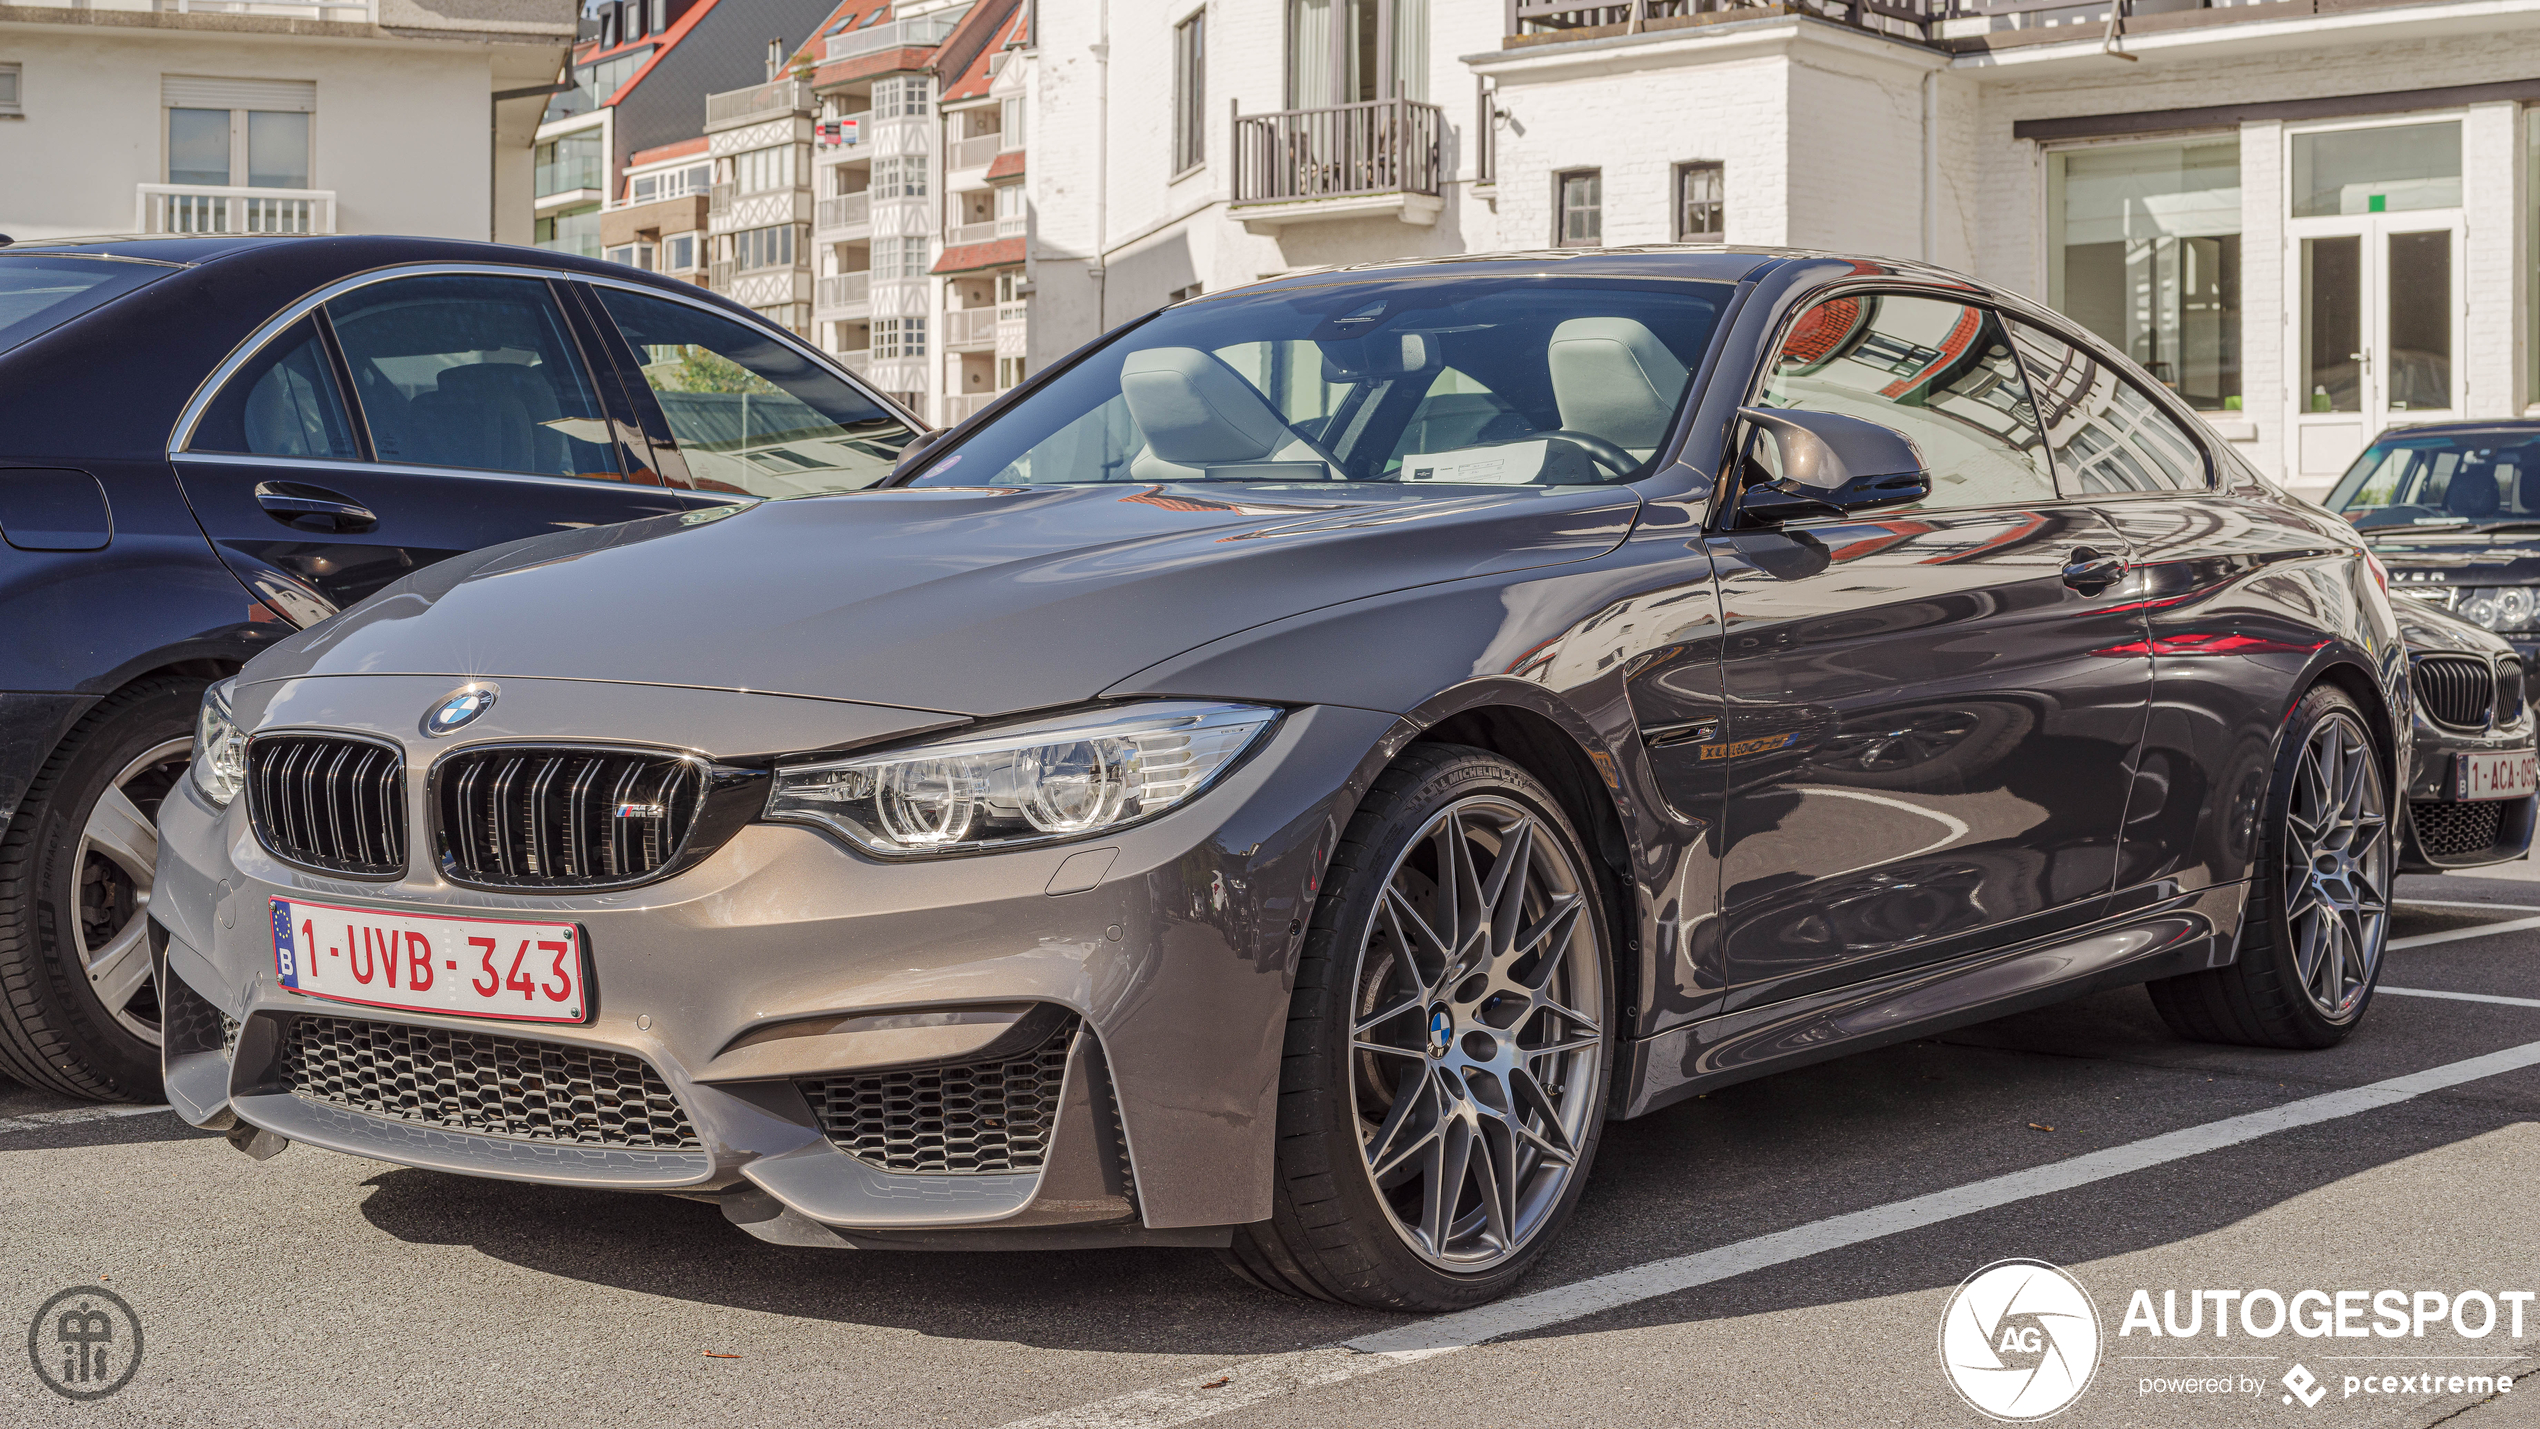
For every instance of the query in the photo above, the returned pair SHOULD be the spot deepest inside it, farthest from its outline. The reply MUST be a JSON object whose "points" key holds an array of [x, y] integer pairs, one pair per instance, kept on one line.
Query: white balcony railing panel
{"points": [[987, 232], [975, 153], [190, 208], [844, 211], [922, 32], [846, 290], [970, 327]]}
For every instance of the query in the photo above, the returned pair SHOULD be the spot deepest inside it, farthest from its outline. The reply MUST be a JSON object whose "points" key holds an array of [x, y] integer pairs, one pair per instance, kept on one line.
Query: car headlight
{"points": [[1063, 778], [220, 748], [2499, 607]]}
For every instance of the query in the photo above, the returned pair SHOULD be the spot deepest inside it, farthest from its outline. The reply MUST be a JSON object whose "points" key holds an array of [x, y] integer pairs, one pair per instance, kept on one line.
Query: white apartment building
{"points": [[274, 116], [2313, 220]]}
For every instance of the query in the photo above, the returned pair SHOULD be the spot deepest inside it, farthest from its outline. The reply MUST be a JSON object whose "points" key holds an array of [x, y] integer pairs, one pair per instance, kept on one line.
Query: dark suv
{"points": [[210, 443]]}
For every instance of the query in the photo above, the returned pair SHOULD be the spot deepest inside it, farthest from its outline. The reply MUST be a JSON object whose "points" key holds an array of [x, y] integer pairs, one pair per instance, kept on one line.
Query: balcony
{"points": [[923, 32], [988, 232], [189, 208], [567, 180], [974, 153], [1347, 161], [735, 107], [843, 211], [970, 327], [845, 290], [1950, 24], [859, 360], [357, 12], [961, 406]]}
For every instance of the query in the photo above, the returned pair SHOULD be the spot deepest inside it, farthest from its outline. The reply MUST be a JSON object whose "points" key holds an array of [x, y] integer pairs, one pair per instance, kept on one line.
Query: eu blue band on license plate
{"points": [[505, 969]]}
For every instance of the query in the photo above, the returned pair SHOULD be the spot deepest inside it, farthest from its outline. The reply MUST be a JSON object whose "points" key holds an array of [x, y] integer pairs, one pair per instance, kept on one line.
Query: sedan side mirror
{"points": [[1831, 465]]}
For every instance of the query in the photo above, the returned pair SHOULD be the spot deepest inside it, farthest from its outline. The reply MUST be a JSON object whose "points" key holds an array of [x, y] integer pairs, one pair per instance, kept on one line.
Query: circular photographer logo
{"points": [[85, 1343], [2020, 1340]]}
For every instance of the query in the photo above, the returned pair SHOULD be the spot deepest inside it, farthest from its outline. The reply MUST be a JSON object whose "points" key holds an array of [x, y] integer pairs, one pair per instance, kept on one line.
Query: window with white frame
{"points": [[899, 337], [1010, 122], [2143, 248], [760, 170], [1009, 200], [906, 97], [1190, 90], [1578, 219], [1009, 372], [899, 176], [1009, 286], [770, 247], [903, 257], [238, 133], [633, 255], [11, 76], [679, 253], [670, 183], [1699, 199]]}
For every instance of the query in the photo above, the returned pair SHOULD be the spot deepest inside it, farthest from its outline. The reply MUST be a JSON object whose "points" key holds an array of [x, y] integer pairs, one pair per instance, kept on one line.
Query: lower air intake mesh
{"points": [[980, 1117], [495, 1086], [2448, 830]]}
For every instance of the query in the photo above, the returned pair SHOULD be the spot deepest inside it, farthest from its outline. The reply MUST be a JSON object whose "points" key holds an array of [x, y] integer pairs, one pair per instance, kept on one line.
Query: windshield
{"points": [[41, 292], [2442, 479], [1450, 382]]}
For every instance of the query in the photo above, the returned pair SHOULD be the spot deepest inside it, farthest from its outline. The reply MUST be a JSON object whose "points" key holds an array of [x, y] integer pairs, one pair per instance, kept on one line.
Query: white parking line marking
{"points": [[1253, 1381], [34, 1120], [2515, 925], [2444, 903], [2460, 996]]}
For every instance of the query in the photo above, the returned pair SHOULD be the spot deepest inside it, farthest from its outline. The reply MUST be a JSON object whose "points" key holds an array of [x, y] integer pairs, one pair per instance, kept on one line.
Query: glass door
{"points": [[2374, 287]]}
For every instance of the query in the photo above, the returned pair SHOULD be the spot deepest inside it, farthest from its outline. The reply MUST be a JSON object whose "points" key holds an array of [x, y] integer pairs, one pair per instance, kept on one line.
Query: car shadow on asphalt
{"points": [[1747, 1160]]}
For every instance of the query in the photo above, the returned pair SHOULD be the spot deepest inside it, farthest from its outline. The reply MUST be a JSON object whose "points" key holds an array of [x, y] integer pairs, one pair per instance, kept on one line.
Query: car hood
{"points": [[2488, 557], [2427, 628], [976, 601]]}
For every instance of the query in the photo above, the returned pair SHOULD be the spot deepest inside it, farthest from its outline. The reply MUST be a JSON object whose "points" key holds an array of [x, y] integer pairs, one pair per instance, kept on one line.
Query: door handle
{"points": [[2090, 572], [313, 508]]}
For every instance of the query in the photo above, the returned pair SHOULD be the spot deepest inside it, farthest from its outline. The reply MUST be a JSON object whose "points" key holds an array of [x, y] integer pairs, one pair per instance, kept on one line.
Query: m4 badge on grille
{"points": [[642, 811], [458, 708]]}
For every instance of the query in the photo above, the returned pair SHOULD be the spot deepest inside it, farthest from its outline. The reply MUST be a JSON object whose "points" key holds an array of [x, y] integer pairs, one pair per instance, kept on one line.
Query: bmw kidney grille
{"points": [[327, 803]]}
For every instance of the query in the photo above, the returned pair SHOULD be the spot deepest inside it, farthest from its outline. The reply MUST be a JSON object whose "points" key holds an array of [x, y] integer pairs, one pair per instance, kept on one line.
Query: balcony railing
{"points": [[1926, 20], [843, 211], [719, 198], [1382, 146], [740, 106], [188, 208], [923, 32], [859, 360], [841, 290], [974, 153], [1013, 312], [567, 175], [962, 405], [353, 11], [970, 327], [988, 232]]}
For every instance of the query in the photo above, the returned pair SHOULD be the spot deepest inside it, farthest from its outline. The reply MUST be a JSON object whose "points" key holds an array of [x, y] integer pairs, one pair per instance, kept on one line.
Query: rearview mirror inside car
{"points": [[1827, 464], [1378, 355]]}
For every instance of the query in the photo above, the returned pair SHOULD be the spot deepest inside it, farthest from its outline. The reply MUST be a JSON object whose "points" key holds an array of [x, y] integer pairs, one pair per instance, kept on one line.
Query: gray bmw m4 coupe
{"points": [[1283, 779]]}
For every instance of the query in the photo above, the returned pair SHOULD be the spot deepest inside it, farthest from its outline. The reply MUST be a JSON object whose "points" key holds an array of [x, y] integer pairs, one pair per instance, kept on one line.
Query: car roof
{"points": [[2488, 424]]}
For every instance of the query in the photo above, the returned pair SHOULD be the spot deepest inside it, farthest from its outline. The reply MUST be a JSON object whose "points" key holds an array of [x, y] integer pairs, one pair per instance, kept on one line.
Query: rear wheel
{"points": [[79, 1002], [2319, 898], [1447, 1055]]}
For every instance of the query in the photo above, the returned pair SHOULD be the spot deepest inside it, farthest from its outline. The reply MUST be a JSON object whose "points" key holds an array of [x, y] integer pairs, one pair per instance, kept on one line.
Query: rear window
{"points": [[40, 292]]}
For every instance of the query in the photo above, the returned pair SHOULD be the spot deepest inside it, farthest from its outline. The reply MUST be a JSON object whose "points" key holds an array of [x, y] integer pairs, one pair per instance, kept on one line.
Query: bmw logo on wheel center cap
{"points": [[458, 708], [1441, 1031]]}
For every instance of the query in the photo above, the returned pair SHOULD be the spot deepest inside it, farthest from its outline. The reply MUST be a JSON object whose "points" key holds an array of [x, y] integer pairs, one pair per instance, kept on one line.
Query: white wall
{"points": [[402, 131]]}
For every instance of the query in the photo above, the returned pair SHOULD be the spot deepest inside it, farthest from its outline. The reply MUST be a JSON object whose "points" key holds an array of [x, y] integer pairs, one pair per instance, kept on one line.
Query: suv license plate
{"points": [[2497, 776], [424, 962]]}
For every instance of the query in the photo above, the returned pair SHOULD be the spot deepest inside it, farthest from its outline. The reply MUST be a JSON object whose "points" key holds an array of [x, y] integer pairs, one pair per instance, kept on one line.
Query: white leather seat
{"points": [[1196, 411], [1613, 378]]}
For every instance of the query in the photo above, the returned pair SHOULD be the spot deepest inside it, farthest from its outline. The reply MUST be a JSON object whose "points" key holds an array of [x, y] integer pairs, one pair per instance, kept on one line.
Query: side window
{"points": [[284, 402], [750, 414], [2106, 433], [471, 371], [1940, 372]]}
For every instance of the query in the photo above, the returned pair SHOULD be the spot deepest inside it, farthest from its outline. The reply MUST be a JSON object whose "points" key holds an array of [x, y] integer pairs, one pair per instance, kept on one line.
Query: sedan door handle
{"points": [[2090, 572], [314, 508]]}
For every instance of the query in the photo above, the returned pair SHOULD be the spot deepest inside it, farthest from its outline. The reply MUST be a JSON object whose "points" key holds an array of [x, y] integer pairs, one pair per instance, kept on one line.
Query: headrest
{"points": [[2472, 492], [1196, 410], [1613, 378]]}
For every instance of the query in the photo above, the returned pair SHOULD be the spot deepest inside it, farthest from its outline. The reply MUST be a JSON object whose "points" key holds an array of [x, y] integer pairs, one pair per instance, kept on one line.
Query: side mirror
{"points": [[1831, 465]]}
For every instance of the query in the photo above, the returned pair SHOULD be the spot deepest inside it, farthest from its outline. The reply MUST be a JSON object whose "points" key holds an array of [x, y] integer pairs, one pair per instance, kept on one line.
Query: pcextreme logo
{"points": [[2019, 1341]]}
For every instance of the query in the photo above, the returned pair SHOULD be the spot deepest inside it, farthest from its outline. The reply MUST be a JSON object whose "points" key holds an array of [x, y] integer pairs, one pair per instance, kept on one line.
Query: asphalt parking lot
{"points": [[1777, 1253]]}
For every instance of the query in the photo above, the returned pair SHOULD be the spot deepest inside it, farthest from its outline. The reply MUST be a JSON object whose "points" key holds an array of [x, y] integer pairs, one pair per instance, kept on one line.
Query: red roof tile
{"points": [[659, 152], [1008, 165], [970, 257], [972, 82]]}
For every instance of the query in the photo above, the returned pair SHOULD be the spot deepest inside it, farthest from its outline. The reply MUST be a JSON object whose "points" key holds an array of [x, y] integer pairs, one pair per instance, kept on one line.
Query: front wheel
{"points": [[2319, 898], [1448, 1046]]}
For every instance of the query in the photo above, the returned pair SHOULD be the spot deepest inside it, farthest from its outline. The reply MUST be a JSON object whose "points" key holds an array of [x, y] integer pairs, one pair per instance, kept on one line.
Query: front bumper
{"points": [[786, 957], [2442, 831]]}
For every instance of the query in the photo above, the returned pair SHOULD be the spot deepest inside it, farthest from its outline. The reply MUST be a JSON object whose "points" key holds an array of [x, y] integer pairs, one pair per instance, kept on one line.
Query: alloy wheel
{"points": [[2337, 866], [118, 863], [1475, 1044]]}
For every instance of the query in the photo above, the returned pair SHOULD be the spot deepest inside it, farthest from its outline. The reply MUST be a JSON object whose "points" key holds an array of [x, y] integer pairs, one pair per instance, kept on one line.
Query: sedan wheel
{"points": [[1448, 1046], [2318, 914], [118, 859]]}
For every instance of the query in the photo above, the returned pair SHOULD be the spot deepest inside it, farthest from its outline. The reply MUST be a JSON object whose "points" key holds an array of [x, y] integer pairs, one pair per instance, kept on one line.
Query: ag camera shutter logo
{"points": [[2019, 1341]]}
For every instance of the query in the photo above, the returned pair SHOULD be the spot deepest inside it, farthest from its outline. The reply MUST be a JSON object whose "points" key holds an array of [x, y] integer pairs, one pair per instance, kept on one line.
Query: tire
{"points": [[1367, 1063], [73, 887], [2312, 937]]}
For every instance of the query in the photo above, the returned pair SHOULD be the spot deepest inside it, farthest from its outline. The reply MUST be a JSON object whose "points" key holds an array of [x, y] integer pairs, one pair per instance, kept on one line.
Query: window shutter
{"points": [[194, 91]]}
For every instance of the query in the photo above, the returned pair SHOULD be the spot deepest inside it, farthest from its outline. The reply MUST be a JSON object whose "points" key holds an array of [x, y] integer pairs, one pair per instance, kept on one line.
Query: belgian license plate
{"points": [[424, 962], [2497, 776]]}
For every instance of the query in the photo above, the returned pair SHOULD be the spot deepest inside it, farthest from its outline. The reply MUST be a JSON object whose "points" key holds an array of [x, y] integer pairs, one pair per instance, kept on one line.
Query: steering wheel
{"points": [[1599, 450]]}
